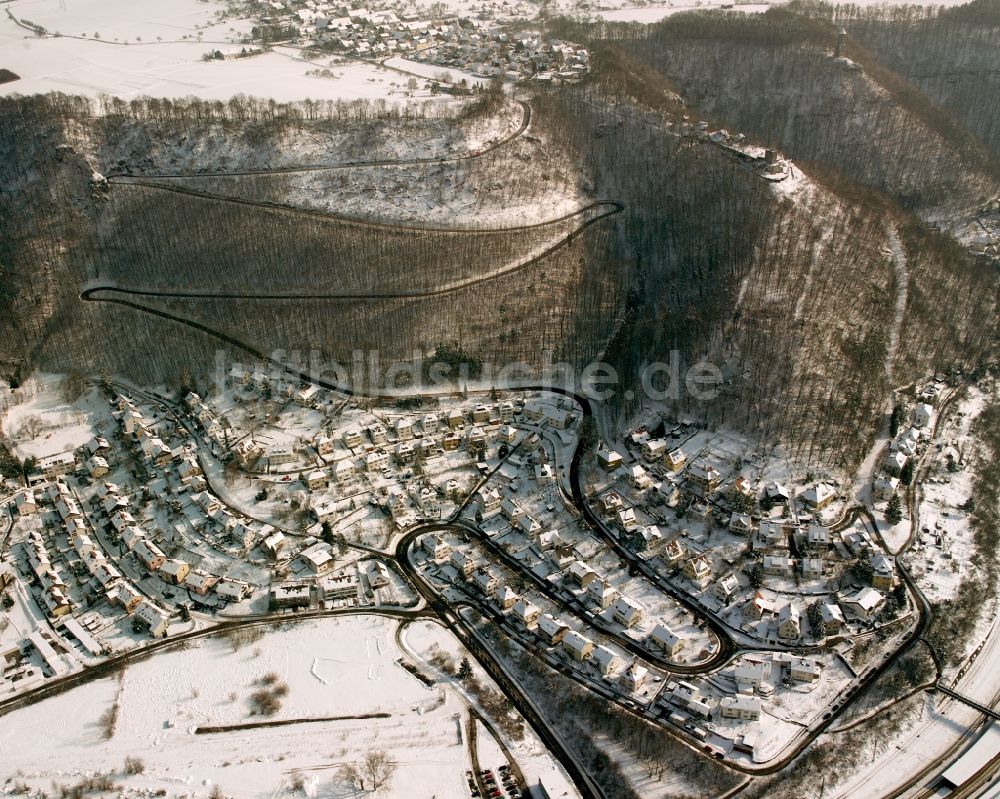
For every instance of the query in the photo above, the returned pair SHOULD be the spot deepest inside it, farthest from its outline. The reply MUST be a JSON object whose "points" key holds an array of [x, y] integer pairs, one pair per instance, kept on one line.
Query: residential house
{"points": [[606, 660], [174, 571], [648, 538], [235, 590], [742, 491], [319, 558], [667, 640], [746, 708], [704, 477], [833, 618], [435, 546], [673, 552], [884, 487], [811, 567], [789, 622], [639, 477], [759, 607], [818, 536], [200, 581], [894, 463], [274, 543], [778, 565], [344, 470], [818, 496], [25, 503], [602, 593], [579, 646], [697, 570], [627, 612], [527, 612], [727, 588], [96, 467], [315, 479], [507, 434], [404, 429], [654, 449], [580, 574], [923, 415], [634, 677], [883, 572], [486, 581], [150, 554], [609, 459], [124, 595], [506, 597], [675, 459], [741, 524], [462, 562], [777, 493], [511, 510], [802, 669], [551, 628], [751, 672], [351, 437], [627, 520], [154, 618]]}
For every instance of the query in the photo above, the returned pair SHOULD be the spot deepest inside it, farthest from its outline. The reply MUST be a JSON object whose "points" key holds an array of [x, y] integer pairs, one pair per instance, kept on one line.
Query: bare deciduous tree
{"points": [[30, 427], [378, 768]]}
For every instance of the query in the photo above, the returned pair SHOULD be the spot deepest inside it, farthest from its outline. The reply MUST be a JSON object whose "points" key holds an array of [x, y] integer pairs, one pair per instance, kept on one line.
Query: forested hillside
{"points": [[950, 54], [597, 221], [773, 76]]}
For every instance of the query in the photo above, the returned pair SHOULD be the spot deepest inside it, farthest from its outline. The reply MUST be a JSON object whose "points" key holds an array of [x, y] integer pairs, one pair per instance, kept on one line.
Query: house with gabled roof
{"points": [[789, 622], [551, 628], [666, 639], [527, 612], [606, 659], [627, 612], [602, 593], [580, 574], [578, 645]]}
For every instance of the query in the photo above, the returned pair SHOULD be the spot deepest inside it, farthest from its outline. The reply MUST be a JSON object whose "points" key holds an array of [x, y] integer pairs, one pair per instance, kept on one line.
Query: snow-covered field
{"points": [[40, 422], [156, 49], [332, 667]]}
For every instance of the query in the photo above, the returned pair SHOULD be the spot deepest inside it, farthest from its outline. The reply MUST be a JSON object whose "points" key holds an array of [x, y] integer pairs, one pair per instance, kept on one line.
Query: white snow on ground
{"points": [[902, 283], [944, 543], [163, 55], [433, 71], [126, 20], [332, 667], [62, 426], [425, 639]]}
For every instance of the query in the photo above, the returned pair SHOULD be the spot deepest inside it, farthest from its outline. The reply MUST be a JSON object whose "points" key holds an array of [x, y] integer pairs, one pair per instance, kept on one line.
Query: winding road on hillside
{"points": [[127, 176], [727, 649]]}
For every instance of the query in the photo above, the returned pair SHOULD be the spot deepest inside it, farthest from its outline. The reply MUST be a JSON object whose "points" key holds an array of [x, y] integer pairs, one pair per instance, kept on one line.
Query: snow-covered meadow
{"points": [[332, 668]]}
